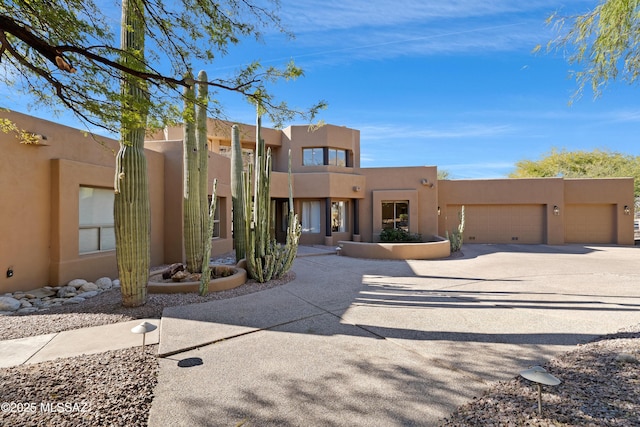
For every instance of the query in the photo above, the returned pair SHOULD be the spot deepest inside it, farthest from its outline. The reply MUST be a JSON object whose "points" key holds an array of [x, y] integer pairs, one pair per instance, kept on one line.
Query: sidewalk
{"points": [[76, 342]]}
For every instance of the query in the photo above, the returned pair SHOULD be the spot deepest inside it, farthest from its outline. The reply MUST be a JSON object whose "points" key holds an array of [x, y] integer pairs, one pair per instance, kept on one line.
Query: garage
{"points": [[501, 223], [590, 223]]}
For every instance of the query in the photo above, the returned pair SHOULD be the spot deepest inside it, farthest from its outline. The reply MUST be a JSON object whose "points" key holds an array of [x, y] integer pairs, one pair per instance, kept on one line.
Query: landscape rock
{"points": [[64, 291], [104, 283], [89, 287], [9, 304], [89, 294], [76, 283], [116, 283], [73, 300]]}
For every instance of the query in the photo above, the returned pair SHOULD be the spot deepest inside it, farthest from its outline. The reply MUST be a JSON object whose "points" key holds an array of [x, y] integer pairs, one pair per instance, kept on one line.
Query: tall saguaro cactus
{"points": [[192, 220], [237, 195], [131, 203], [203, 163], [267, 259]]}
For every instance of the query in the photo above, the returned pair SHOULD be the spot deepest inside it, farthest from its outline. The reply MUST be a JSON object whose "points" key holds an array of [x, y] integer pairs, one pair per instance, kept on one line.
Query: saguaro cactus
{"points": [[192, 217], [237, 195], [267, 259], [131, 203], [203, 161]]}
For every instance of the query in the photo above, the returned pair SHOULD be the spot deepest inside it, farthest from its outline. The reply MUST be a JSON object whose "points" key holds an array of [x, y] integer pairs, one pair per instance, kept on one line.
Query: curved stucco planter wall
{"points": [[429, 250], [239, 277]]}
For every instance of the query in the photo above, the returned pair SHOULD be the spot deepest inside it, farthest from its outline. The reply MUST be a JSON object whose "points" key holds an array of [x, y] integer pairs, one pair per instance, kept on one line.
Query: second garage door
{"points": [[502, 223]]}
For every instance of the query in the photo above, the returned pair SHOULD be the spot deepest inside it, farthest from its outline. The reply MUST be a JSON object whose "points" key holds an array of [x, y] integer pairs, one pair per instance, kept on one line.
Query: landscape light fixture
{"points": [[143, 328], [540, 376], [556, 210], [627, 211]]}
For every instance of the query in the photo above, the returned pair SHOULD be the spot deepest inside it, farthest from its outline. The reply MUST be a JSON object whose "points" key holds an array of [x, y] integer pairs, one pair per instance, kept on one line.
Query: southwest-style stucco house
{"points": [[57, 223]]}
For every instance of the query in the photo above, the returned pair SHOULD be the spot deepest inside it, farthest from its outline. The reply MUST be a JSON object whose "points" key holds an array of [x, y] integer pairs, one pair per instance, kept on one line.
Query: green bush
{"points": [[398, 235]]}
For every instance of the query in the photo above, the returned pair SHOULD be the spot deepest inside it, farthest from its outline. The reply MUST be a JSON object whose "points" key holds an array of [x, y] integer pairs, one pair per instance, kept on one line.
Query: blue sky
{"points": [[446, 83]]}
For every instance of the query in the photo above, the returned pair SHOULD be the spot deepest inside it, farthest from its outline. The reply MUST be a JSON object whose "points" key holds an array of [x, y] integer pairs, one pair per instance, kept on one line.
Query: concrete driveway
{"points": [[355, 342]]}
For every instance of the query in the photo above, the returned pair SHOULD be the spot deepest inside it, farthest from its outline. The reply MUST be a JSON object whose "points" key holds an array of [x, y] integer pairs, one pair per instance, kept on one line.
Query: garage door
{"points": [[590, 223], [502, 223]]}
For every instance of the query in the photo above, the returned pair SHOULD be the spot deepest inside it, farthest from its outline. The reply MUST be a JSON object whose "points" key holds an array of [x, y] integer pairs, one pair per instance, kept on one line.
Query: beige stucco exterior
{"points": [[40, 185]]}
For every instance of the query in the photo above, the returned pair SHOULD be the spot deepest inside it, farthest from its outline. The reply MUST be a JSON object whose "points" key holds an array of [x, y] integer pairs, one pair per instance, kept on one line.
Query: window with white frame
{"points": [[96, 225], [310, 220], [339, 216], [395, 214]]}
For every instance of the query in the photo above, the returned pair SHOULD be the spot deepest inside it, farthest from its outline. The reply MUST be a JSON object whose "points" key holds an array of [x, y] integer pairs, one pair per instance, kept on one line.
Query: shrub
{"points": [[398, 235]]}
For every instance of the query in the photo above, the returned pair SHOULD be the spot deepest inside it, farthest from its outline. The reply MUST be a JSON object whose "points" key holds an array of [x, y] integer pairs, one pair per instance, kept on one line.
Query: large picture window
{"points": [[96, 225], [337, 157], [395, 214], [339, 216], [311, 216], [312, 157]]}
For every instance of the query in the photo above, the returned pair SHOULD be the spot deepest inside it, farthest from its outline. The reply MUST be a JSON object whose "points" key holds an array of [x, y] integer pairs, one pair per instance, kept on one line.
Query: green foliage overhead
{"points": [[602, 42], [581, 164], [66, 54]]}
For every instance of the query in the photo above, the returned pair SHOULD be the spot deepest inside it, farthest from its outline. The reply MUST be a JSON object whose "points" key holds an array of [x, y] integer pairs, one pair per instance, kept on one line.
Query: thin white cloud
{"points": [[392, 133]]}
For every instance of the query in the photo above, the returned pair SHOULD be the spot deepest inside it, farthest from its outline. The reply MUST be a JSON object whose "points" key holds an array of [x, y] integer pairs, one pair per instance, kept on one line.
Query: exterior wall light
{"points": [[356, 188], [627, 210], [438, 210], [556, 210], [426, 183]]}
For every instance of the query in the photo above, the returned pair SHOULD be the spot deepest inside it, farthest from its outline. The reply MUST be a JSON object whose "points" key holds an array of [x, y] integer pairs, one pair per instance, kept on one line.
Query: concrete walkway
{"points": [[77, 342], [362, 342]]}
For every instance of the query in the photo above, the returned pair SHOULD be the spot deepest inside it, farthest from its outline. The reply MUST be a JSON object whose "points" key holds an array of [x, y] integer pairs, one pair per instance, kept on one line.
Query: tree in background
{"points": [[603, 41], [581, 164]]}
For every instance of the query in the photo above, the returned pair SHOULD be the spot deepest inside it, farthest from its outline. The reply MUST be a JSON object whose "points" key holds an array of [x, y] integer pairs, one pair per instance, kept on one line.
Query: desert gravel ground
{"points": [[601, 379]]}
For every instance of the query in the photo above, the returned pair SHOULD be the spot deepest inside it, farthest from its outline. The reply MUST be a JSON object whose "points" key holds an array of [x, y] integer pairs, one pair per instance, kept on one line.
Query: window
{"points": [[316, 157], [337, 157], [339, 216], [312, 157], [96, 225], [395, 214], [311, 216]]}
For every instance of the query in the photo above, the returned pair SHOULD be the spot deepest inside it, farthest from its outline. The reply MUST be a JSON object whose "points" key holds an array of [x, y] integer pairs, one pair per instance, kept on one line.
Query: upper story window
{"points": [[313, 156], [319, 156], [337, 157]]}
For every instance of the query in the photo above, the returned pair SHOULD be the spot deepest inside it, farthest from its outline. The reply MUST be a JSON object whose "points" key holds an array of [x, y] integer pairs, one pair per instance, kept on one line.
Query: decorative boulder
{"points": [[89, 287], [76, 283], [9, 304], [64, 291], [104, 283]]}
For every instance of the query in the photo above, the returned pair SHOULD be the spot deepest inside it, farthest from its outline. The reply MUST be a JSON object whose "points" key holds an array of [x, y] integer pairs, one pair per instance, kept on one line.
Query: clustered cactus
{"points": [[266, 259], [237, 194]]}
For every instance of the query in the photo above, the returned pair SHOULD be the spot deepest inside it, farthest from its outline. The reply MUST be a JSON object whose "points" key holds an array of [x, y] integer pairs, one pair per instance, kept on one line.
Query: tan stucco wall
{"points": [[548, 192], [400, 184], [39, 214]]}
